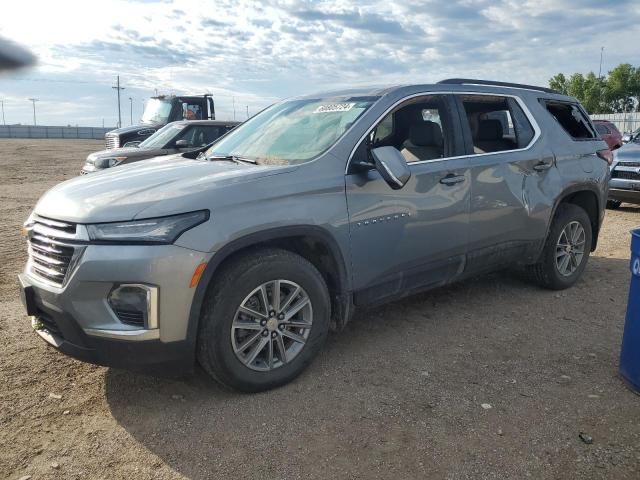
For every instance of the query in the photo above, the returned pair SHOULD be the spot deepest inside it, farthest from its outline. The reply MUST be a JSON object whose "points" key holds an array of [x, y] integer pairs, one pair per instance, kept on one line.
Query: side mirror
{"points": [[182, 144], [392, 166]]}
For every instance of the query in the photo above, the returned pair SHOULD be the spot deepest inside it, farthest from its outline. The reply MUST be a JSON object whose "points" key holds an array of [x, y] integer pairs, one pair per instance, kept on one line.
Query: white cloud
{"points": [[256, 51]]}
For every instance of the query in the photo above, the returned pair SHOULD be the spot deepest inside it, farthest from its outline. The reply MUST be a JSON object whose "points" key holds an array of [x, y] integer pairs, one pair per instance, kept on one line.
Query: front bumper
{"points": [[77, 319], [624, 190], [622, 195]]}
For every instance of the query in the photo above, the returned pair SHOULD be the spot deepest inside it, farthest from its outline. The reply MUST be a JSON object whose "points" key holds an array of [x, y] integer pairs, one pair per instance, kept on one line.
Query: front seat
{"points": [[424, 143], [490, 137]]}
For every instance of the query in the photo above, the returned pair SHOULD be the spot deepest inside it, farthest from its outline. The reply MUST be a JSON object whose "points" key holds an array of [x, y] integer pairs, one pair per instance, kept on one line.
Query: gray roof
{"points": [[401, 90], [207, 122]]}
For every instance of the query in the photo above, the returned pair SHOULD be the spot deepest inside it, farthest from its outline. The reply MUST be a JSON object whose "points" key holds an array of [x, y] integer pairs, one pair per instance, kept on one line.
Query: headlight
{"points": [[109, 162], [148, 230]]}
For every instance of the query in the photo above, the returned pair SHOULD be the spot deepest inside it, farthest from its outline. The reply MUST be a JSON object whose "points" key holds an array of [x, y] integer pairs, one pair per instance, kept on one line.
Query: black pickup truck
{"points": [[158, 112]]}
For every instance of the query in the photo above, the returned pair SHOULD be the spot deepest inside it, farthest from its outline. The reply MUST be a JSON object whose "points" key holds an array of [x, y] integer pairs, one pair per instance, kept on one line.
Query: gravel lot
{"points": [[399, 394]]}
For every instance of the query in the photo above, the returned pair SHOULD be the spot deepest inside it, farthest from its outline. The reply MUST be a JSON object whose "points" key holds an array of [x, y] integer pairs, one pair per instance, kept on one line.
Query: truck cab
{"points": [[158, 112]]}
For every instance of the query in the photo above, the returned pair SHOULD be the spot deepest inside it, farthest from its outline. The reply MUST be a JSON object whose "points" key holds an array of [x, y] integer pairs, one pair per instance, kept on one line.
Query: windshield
{"points": [[292, 132], [162, 136], [156, 111]]}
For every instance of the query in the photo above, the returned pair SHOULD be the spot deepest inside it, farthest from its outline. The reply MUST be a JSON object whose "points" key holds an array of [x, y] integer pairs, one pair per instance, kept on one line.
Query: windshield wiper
{"points": [[231, 158]]}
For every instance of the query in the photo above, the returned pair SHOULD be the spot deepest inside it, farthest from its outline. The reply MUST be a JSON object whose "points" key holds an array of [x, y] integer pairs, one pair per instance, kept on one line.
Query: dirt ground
{"points": [[398, 394]]}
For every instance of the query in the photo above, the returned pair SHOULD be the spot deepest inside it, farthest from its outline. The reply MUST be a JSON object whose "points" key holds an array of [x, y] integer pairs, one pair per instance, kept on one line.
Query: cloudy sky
{"points": [[251, 53]]}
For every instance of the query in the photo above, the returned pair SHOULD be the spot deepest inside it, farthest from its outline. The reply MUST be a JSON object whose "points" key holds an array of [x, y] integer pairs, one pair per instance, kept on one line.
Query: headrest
{"points": [[489, 130], [425, 134]]}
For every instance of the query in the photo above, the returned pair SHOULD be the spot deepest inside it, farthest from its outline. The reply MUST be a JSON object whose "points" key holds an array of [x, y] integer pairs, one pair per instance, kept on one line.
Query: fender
{"points": [[590, 187], [238, 244]]}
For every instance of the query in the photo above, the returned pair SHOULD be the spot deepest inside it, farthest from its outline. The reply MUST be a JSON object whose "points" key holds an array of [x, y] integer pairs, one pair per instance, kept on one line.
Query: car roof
{"points": [[402, 90], [207, 122]]}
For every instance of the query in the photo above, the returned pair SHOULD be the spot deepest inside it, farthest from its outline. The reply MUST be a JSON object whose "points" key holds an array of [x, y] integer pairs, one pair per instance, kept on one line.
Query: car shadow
{"points": [[346, 404]]}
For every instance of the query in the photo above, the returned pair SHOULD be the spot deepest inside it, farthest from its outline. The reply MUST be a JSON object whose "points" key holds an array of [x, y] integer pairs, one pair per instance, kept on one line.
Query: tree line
{"points": [[618, 91]]}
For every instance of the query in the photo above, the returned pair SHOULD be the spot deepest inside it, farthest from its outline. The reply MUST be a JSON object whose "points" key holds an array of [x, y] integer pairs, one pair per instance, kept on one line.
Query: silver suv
{"points": [[244, 258]]}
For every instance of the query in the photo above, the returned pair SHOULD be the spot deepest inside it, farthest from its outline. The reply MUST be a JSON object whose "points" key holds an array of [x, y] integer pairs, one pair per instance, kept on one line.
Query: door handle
{"points": [[452, 179], [542, 166]]}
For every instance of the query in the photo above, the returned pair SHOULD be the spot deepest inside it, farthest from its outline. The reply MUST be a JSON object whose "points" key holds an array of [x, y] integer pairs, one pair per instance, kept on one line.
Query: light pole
{"points": [[2, 104], [600, 79], [33, 100], [600, 70], [118, 88], [131, 110]]}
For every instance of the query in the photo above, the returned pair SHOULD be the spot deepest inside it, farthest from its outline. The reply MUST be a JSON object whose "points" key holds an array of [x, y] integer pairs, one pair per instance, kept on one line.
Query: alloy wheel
{"points": [[570, 248], [272, 324]]}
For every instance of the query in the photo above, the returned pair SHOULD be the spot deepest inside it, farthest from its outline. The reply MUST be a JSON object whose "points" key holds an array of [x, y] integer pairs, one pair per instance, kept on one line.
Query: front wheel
{"points": [[263, 320], [566, 250], [613, 204]]}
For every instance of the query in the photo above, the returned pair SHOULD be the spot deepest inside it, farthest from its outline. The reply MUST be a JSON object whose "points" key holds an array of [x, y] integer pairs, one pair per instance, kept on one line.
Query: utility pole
{"points": [[118, 88], [131, 112], [600, 79], [600, 70], [233, 102], [2, 104], [247, 111], [33, 100]]}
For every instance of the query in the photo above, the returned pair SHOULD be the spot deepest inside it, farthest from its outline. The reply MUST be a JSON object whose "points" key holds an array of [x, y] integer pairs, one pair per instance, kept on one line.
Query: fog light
{"points": [[135, 304]]}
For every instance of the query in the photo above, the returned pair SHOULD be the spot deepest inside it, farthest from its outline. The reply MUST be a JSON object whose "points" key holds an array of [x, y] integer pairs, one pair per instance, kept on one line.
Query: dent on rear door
{"points": [[508, 205]]}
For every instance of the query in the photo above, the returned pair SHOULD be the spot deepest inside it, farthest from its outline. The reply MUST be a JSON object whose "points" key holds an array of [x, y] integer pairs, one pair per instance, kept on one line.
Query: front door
{"points": [[414, 238]]}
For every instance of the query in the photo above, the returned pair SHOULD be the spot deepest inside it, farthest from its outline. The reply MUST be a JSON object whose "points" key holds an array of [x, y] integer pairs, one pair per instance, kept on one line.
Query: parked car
{"points": [[629, 136], [609, 133], [245, 257], [177, 137], [624, 185], [158, 112]]}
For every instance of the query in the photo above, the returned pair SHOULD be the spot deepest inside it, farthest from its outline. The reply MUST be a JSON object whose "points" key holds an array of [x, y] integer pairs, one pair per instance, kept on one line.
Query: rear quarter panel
{"points": [[577, 166]]}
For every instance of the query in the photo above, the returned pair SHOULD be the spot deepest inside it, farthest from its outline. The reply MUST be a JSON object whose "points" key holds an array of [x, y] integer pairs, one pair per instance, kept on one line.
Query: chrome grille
{"points": [[111, 141], [50, 254], [625, 175]]}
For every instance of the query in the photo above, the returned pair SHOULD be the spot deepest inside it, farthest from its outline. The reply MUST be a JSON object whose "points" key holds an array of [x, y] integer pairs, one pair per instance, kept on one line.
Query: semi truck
{"points": [[158, 112]]}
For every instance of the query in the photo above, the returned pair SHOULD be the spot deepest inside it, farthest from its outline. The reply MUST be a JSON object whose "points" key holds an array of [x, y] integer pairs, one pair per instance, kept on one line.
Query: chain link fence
{"points": [[29, 131]]}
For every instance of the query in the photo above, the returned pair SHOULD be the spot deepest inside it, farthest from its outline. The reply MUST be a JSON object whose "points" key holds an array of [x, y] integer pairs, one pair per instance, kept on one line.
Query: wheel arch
{"points": [[588, 198], [314, 243]]}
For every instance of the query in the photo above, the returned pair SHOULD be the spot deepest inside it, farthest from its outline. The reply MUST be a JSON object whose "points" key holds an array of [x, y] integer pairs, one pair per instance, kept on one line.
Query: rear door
{"points": [[509, 169], [416, 237]]}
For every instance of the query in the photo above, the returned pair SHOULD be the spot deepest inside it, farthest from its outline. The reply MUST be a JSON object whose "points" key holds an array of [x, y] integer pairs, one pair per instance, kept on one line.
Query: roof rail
{"points": [[491, 83]]}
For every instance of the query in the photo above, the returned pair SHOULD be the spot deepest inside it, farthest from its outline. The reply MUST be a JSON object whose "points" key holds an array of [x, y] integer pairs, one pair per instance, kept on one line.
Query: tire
{"points": [[224, 328], [547, 273], [613, 204]]}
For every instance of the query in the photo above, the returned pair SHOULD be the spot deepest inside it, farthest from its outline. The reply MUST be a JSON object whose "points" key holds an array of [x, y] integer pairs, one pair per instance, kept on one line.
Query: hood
{"points": [[135, 128], [629, 151], [164, 185]]}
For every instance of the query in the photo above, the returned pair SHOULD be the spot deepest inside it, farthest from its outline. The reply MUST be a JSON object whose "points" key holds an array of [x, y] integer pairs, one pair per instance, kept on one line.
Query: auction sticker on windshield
{"points": [[334, 107]]}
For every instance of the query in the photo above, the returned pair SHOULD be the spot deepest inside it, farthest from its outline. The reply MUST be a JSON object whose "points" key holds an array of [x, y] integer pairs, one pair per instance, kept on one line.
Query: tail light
{"points": [[606, 155]]}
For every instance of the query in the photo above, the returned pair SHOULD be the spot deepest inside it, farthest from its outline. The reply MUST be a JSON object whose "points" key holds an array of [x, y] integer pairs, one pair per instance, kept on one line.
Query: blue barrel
{"points": [[630, 352]]}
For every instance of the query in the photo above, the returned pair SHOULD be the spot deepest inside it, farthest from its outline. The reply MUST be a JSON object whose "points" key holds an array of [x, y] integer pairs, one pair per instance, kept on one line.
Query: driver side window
{"points": [[418, 128]]}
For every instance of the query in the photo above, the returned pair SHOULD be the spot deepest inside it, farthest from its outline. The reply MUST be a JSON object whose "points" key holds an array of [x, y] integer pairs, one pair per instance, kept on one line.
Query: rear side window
{"points": [[602, 129], [572, 119], [496, 124]]}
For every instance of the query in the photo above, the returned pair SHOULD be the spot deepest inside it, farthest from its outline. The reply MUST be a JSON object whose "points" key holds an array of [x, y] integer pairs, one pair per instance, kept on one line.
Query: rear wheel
{"points": [[263, 321], [613, 204], [566, 250]]}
